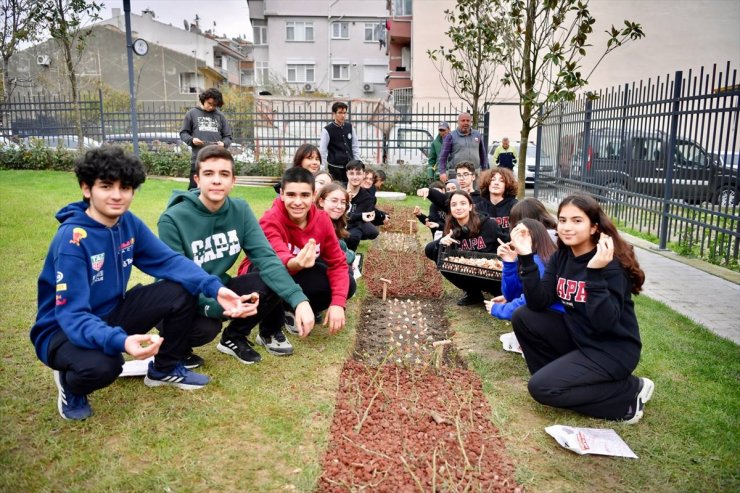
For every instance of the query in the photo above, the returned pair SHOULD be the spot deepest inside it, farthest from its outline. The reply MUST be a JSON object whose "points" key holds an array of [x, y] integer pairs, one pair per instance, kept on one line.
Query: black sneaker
{"points": [[192, 360], [471, 299], [644, 394], [240, 348], [290, 323], [278, 344]]}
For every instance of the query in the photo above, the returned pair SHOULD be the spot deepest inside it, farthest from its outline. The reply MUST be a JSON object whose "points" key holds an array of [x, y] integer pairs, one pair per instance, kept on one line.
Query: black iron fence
{"points": [[662, 156], [266, 128]]}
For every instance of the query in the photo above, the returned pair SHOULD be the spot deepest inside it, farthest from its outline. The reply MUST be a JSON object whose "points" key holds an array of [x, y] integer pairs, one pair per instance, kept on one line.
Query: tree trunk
{"points": [[6, 81], [527, 102]]}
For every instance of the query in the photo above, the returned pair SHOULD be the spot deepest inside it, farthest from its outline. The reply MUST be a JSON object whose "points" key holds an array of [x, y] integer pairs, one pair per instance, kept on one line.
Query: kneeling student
{"points": [[212, 229], [86, 318], [304, 240]]}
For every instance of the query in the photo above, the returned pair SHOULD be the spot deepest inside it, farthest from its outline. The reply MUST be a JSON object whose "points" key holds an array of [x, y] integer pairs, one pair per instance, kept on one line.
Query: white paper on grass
{"points": [[510, 343], [136, 367], [356, 267], [590, 441]]}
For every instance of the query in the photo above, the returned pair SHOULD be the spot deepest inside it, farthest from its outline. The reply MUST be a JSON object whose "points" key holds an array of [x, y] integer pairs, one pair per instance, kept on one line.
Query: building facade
{"points": [[333, 47], [179, 64]]}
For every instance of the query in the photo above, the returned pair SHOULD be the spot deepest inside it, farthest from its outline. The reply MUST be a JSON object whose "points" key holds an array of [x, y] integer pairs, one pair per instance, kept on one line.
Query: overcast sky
{"points": [[231, 16]]}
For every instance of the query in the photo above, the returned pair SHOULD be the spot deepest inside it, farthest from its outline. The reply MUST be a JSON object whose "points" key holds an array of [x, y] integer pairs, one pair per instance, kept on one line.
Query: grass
{"points": [[264, 427]]}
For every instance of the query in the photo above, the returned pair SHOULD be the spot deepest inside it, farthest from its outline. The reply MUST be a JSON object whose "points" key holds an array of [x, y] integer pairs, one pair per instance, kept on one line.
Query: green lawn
{"points": [[264, 427]]}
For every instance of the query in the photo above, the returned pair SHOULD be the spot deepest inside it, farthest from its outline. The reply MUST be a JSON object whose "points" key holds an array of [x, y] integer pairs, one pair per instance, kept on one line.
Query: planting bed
{"points": [[409, 416], [399, 219]]}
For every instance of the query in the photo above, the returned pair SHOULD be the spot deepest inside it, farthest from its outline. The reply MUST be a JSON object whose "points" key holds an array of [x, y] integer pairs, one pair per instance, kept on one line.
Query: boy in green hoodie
{"points": [[211, 228]]}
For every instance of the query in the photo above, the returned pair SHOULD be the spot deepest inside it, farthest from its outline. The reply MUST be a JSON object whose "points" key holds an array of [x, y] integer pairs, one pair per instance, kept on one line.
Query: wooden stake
{"points": [[411, 225], [385, 282]]}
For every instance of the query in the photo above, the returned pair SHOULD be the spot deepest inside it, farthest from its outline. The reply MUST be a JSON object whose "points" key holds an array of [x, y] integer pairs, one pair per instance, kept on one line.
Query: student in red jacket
{"points": [[304, 240]]}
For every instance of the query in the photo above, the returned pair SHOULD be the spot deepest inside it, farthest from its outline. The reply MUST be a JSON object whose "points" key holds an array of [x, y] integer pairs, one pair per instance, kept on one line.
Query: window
{"points": [[260, 35], [261, 73], [340, 30], [190, 83], [247, 78], [372, 32], [340, 72], [401, 8], [301, 73], [690, 155], [299, 31]]}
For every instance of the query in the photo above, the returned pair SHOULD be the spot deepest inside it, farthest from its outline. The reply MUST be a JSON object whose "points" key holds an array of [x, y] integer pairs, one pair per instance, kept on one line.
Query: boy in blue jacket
{"points": [[86, 318]]}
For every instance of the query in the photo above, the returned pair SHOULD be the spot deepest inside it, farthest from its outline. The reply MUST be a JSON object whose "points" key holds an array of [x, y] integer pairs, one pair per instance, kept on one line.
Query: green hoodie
{"points": [[214, 240]]}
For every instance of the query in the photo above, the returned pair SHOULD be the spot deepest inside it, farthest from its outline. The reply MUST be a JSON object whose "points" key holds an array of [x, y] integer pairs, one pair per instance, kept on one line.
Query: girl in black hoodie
{"points": [[466, 230], [583, 359]]}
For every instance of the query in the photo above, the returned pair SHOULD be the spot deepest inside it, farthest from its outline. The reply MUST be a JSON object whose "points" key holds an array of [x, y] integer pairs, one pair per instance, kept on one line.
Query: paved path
{"points": [[706, 298]]}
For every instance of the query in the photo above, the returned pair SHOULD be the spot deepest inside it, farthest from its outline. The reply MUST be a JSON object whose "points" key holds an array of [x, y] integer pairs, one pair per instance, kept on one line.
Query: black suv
{"points": [[636, 161]]}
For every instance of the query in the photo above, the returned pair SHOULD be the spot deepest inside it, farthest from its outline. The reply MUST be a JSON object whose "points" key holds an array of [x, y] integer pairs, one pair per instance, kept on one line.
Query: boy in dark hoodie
{"points": [[86, 318], [304, 239], [363, 216], [205, 126], [211, 228]]}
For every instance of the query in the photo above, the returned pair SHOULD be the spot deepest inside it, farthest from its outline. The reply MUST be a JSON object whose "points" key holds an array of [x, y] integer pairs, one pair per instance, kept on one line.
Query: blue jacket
{"points": [[86, 272], [511, 288]]}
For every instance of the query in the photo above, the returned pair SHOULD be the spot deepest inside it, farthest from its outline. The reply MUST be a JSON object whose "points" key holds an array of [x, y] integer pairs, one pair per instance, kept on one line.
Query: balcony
{"points": [[400, 32]]}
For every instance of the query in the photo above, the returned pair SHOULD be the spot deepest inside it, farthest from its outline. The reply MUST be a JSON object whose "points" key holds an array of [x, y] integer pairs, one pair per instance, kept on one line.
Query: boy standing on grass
{"points": [[205, 126], [86, 318], [304, 239], [211, 228]]}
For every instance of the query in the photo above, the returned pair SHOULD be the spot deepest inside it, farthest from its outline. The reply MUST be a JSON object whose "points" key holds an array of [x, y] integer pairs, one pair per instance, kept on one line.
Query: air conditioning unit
{"points": [[368, 88], [44, 60], [309, 88]]}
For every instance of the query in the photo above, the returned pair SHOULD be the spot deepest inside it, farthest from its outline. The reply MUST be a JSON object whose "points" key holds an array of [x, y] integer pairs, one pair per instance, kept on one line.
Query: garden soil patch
{"points": [[399, 430]]}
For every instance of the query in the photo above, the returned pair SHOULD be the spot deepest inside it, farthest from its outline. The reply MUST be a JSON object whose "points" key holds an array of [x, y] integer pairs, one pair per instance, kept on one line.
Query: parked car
{"points": [[66, 142], [155, 141], [636, 161], [546, 165]]}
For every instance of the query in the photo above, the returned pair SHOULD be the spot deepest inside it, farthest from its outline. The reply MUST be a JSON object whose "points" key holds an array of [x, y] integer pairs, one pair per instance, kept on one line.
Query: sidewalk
{"points": [[710, 299]]}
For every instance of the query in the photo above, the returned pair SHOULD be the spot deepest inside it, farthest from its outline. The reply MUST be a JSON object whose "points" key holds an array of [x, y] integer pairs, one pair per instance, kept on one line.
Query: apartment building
{"points": [[329, 46]]}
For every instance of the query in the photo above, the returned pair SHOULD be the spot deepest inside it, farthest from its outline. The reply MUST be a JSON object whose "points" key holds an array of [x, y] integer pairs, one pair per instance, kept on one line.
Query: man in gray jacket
{"points": [[205, 126], [462, 144]]}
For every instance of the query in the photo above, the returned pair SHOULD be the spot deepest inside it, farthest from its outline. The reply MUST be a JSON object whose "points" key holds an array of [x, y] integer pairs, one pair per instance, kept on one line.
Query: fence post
{"points": [[673, 131], [538, 152], [102, 116], [586, 138]]}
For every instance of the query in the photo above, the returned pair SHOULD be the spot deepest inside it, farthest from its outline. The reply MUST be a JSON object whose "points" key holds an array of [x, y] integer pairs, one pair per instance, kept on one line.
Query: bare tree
{"points": [[469, 67], [21, 19], [547, 40], [68, 23]]}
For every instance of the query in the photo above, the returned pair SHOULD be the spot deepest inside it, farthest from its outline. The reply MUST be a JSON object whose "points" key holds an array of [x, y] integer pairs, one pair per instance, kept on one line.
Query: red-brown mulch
{"points": [[400, 219], [400, 430]]}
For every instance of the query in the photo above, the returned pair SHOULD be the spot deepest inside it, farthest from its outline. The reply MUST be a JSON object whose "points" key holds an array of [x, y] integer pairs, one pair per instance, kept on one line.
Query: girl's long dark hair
{"points": [[340, 225], [533, 209], [542, 244], [623, 251], [474, 222], [303, 152]]}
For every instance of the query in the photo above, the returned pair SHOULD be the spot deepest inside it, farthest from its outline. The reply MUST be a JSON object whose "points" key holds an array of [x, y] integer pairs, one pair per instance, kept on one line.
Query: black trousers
{"points": [[206, 329], [564, 376], [143, 307], [361, 231], [315, 285], [338, 172]]}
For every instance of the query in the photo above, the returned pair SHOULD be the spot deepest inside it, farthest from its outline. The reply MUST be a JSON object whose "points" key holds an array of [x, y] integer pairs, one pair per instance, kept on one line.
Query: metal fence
{"points": [[662, 156], [271, 127]]}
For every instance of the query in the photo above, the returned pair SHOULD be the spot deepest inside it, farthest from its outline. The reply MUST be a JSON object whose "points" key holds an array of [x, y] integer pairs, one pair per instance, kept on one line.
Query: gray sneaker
{"points": [[290, 323], [278, 344]]}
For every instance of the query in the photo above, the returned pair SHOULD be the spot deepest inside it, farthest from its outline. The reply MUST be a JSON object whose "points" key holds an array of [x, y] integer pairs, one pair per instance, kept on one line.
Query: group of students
{"points": [[567, 287], [570, 302], [298, 264]]}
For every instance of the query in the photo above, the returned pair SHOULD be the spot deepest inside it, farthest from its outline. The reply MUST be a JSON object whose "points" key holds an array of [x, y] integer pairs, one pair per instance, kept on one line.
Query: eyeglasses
{"points": [[336, 202], [465, 175]]}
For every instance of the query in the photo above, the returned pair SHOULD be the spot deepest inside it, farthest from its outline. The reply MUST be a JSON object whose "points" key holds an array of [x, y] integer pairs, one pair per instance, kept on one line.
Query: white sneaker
{"points": [[278, 344], [290, 323], [645, 393]]}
